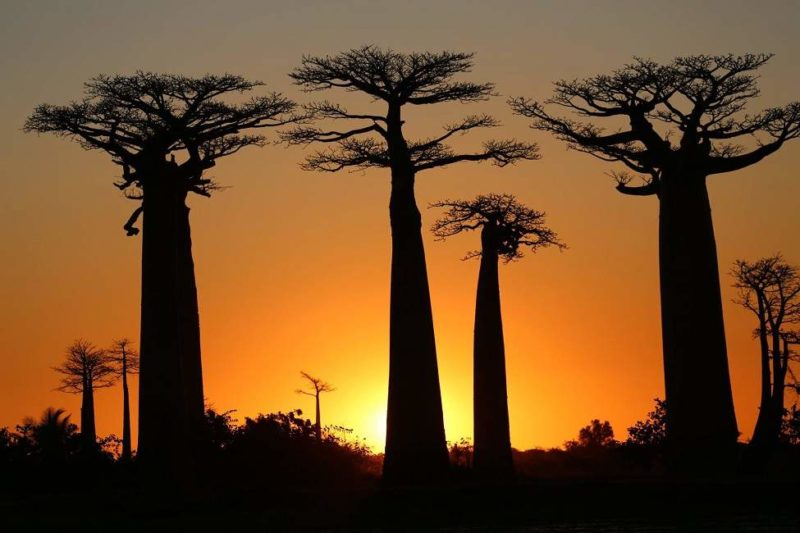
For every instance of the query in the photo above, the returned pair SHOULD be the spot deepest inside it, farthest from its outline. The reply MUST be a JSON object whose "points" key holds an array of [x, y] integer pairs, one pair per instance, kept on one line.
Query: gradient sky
{"points": [[293, 267]]}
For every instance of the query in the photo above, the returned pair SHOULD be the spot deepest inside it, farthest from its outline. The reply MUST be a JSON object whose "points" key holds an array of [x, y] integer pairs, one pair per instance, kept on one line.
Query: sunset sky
{"points": [[293, 266]]}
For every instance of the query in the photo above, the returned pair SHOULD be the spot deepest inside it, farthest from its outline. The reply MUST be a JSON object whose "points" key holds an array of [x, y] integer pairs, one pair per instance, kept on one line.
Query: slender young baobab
{"points": [[166, 131], [85, 369], [126, 362], [319, 387], [770, 289], [506, 227], [680, 124], [415, 440]]}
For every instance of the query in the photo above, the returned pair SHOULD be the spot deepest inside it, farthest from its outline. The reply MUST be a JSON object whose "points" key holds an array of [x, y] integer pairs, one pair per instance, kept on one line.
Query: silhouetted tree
{"points": [[770, 289], [415, 440], [50, 436], [506, 227], [126, 361], [593, 436], [220, 428], [86, 368], [462, 453], [143, 121], [790, 428], [319, 387], [651, 431], [681, 124]]}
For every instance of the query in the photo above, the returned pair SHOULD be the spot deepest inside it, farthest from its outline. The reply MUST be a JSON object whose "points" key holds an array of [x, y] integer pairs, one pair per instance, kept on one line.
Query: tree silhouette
{"points": [[50, 434], [85, 369], [653, 430], [790, 428], [594, 436], [143, 121], [682, 122], [415, 440], [126, 361], [506, 227], [770, 289], [319, 387]]}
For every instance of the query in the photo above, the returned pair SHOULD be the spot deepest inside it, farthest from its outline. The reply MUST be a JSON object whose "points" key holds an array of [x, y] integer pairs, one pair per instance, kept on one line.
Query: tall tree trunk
{"points": [[492, 457], [163, 420], [88, 431], [318, 424], [701, 424], [756, 454], [765, 405], [415, 442], [126, 415], [778, 389], [189, 332]]}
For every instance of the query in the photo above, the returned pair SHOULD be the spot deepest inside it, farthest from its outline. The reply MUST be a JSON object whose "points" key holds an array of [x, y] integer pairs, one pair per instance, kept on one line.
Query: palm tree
{"points": [[51, 434]]}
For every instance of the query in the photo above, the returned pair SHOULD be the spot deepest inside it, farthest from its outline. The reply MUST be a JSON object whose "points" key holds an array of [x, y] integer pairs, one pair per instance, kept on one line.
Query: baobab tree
{"points": [[85, 369], [126, 362], [506, 227], [770, 289], [165, 131], [318, 387], [681, 123], [415, 440]]}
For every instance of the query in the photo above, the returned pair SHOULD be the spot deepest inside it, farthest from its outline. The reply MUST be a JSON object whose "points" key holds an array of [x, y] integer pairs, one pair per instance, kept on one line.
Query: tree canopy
{"points": [[143, 118], [517, 226], [398, 79], [689, 114], [85, 366]]}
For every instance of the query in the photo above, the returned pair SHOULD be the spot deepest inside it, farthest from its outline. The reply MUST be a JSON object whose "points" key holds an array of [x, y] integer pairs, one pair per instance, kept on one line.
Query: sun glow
{"points": [[374, 430]]}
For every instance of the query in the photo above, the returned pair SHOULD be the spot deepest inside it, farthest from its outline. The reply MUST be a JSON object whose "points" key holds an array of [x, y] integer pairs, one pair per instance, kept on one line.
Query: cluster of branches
{"points": [[517, 226], [317, 384], [87, 366], [699, 102], [145, 117], [397, 79]]}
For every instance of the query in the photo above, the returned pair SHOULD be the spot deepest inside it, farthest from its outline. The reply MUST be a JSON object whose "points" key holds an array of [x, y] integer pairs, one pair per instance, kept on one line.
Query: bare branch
{"points": [[500, 153]]}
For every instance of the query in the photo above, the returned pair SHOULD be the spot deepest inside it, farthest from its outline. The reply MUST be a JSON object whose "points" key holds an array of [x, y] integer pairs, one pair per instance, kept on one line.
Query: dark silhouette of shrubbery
{"points": [[282, 449]]}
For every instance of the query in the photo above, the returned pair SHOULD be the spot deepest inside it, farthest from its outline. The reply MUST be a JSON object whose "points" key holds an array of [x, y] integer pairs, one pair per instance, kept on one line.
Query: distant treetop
{"points": [[515, 226]]}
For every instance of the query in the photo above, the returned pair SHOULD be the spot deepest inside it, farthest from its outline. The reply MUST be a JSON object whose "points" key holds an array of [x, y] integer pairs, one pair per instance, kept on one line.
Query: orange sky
{"points": [[293, 267]]}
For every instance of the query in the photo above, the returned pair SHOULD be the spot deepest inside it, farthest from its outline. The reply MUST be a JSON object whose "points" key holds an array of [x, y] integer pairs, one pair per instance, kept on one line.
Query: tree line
{"points": [[681, 122]]}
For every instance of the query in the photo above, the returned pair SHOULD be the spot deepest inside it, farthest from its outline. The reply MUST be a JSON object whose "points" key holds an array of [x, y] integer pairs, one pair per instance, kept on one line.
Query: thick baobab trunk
{"points": [[770, 432], [492, 443], [701, 424], [770, 414], [88, 431], [779, 369], [318, 424], [765, 410], [189, 324], [415, 442], [170, 378], [126, 415]]}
